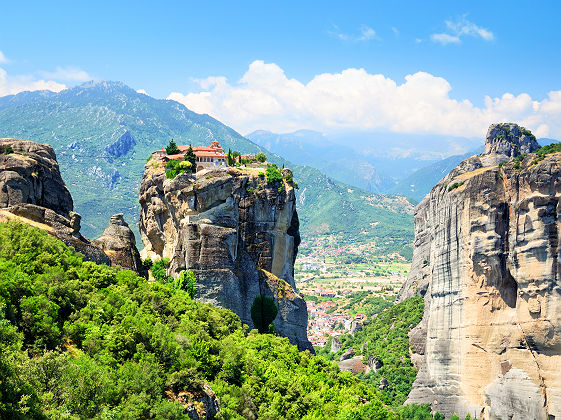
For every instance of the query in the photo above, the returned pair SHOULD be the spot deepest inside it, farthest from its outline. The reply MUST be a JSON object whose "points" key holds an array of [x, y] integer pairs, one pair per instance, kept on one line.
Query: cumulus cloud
{"points": [[70, 74], [455, 30], [142, 91], [4, 59], [364, 33], [264, 98], [10, 85]]}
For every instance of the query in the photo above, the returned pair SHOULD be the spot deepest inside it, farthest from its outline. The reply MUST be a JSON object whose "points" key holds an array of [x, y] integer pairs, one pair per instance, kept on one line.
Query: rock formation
{"points": [[486, 259], [119, 243], [32, 176], [238, 234], [33, 192]]}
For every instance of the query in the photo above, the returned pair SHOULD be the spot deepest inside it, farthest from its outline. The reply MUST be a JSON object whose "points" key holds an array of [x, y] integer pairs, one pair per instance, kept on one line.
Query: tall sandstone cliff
{"points": [[239, 236], [487, 261]]}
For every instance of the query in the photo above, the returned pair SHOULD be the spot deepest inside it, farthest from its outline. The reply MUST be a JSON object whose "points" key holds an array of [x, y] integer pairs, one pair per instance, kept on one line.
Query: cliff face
{"points": [[486, 259], [238, 235]]}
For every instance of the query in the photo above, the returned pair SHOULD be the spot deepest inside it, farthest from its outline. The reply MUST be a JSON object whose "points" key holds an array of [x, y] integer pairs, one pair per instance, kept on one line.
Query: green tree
{"points": [[191, 158], [171, 148], [261, 157], [273, 174], [188, 282], [159, 270], [263, 313]]}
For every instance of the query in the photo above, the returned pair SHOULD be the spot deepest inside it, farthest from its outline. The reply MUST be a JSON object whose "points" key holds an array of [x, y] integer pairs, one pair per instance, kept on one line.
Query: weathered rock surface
{"points": [[347, 355], [239, 236], [506, 141], [119, 243], [31, 176], [201, 404], [486, 259], [353, 365], [335, 345], [33, 192]]}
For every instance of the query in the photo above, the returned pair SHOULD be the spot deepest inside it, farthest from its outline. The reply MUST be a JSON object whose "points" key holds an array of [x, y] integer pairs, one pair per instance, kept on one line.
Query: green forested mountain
{"points": [[103, 133], [79, 340]]}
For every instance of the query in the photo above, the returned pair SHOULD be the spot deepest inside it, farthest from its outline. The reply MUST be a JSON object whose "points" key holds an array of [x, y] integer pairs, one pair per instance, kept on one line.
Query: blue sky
{"points": [[479, 48]]}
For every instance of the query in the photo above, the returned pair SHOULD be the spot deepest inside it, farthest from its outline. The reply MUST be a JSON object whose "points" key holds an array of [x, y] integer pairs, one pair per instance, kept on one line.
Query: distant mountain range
{"points": [[388, 163], [376, 162], [103, 133]]}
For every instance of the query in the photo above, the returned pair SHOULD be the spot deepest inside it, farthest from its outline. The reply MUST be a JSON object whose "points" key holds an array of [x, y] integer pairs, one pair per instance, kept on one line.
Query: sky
{"points": [[431, 67]]}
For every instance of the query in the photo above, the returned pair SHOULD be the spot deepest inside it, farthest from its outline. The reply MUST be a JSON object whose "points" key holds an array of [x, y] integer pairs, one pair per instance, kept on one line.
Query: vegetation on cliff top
{"points": [[80, 340]]}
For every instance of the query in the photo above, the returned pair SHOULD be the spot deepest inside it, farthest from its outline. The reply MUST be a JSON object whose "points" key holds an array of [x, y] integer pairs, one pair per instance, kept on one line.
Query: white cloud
{"points": [[70, 74], [4, 59], [142, 91], [460, 28], [445, 39], [364, 33], [264, 98], [10, 85]]}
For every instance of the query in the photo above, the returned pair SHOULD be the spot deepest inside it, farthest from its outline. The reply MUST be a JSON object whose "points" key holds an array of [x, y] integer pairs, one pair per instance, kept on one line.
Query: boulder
{"points": [[347, 355], [119, 243]]}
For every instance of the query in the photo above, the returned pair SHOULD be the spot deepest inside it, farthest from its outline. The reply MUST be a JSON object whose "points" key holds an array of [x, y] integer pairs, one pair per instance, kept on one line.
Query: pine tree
{"points": [[172, 149], [190, 157]]}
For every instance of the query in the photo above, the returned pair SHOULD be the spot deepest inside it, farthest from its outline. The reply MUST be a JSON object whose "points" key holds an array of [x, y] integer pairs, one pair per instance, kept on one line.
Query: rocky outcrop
{"points": [[353, 365], [506, 141], [33, 192], [119, 243], [238, 234], [30, 175], [486, 259], [199, 404], [66, 229]]}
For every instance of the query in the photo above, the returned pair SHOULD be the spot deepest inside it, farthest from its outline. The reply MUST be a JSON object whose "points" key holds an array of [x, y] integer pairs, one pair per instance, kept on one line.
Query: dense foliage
{"points": [[175, 167], [273, 174], [80, 340], [385, 338]]}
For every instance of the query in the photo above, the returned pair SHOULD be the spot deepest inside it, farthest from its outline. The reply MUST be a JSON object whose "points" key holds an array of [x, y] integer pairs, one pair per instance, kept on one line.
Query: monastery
{"points": [[207, 156]]}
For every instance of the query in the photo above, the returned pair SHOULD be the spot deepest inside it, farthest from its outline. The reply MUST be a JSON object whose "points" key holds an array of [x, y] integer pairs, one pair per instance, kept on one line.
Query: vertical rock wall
{"points": [[239, 235], [486, 259]]}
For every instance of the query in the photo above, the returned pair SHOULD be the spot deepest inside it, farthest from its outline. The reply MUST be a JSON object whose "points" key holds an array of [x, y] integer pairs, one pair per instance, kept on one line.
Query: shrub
{"points": [[263, 313], [261, 157], [185, 165], [175, 167], [455, 185], [550, 148], [273, 174], [8, 149], [171, 148]]}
